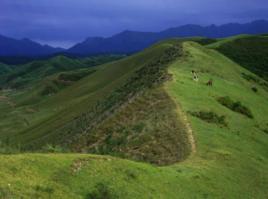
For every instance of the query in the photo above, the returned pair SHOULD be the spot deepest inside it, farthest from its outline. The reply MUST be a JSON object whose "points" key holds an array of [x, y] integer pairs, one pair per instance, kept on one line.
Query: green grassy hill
{"points": [[212, 141], [72, 117], [28, 74], [249, 51]]}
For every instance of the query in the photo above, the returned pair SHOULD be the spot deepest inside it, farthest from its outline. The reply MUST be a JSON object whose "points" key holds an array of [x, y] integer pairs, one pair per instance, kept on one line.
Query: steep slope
{"points": [[98, 98], [250, 52], [133, 41], [24, 47], [231, 149]]}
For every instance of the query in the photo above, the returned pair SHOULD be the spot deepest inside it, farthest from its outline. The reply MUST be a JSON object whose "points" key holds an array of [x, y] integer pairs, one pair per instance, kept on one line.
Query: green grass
{"points": [[250, 52], [78, 176], [235, 157], [229, 162], [24, 76]]}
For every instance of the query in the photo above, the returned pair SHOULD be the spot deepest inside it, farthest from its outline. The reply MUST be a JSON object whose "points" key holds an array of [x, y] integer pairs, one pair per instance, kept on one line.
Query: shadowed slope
{"points": [[250, 52]]}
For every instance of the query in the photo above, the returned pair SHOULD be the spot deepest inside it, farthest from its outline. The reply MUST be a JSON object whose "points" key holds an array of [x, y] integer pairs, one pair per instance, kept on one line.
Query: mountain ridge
{"points": [[126, 42], [133, 41], [24, 47]]}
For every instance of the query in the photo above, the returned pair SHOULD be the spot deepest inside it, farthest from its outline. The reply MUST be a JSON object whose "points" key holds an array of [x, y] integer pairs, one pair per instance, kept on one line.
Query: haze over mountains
{"points": [[128, 41]]}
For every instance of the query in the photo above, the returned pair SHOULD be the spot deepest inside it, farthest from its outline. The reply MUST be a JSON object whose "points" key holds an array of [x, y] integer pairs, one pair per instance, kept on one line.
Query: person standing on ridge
{"points": [[195, 76]]}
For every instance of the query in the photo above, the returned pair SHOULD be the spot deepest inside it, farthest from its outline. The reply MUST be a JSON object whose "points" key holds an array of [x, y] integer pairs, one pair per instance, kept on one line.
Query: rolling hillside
{"points": [[211, 141], [24, 76], [94, 99], [250, 52]]}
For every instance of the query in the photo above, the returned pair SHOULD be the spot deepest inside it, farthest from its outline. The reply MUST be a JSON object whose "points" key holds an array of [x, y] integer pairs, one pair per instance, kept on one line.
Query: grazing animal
{"points": [[210, 82], [195, 76]]}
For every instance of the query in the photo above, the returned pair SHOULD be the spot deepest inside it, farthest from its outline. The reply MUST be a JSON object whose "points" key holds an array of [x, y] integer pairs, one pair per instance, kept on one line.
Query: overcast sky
{"points": [[64, 22]]}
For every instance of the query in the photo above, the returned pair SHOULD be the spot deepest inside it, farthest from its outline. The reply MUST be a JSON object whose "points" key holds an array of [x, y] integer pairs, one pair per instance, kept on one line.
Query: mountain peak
{"points": [[24, 48]]}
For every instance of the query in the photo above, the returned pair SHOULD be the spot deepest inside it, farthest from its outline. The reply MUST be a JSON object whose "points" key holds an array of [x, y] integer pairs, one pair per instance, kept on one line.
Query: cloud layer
{"points": [[63, 22]]}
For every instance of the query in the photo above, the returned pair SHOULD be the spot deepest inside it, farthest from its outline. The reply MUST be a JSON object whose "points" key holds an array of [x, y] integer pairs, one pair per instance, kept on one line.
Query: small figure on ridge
{"points": [[195, 76]]}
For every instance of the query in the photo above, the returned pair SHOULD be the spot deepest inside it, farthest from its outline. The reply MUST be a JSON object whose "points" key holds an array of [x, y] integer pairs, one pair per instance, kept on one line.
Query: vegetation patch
{"points": [[265, 131], [255, 80], [254, 89], [75, 75], [49, 148], [44, 189], [7, 148], [235, 106], [210, 117], [49, 89], [64, 79], [146, 129], [133, 120], [205, 41], [101, 191]]}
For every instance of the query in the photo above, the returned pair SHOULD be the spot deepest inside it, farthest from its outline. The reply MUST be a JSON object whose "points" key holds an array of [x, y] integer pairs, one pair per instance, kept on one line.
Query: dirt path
{"points": [[190, 133], [189, 129]]}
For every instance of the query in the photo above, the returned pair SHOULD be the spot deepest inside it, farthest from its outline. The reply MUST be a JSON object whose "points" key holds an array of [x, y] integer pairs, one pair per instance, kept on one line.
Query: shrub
{"points": [[249, 77], [49, 89], [254, 89], [53, 149], [101, 191], [131, 174], [7, 148], [44, 189], [210, 117], [235, 106], [75, 75]]}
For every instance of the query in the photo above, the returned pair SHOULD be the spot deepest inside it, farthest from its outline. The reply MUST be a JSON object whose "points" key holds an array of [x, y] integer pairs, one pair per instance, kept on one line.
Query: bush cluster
{"points": [[235, 106], [210, 117]]}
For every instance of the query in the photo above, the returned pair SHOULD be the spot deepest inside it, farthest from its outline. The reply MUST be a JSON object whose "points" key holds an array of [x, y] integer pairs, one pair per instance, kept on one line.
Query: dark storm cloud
{"points": [[68, 21]]}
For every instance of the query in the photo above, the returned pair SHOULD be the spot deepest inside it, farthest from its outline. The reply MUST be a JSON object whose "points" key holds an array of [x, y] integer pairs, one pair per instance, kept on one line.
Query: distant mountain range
{"points": [[129, 41], [24, 48], [132, 41]]}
